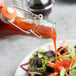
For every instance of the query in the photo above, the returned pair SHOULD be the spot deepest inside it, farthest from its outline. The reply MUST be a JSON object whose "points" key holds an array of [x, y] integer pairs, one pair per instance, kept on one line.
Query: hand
{"points": [[2, 3]]}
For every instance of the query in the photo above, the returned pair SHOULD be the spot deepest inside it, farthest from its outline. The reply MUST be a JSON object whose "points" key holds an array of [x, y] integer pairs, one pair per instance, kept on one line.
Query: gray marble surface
{"points": [[14, 49]]}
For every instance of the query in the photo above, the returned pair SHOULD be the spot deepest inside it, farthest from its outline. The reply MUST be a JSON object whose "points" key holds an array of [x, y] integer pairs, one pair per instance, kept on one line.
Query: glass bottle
{"points": [[32, 25]]}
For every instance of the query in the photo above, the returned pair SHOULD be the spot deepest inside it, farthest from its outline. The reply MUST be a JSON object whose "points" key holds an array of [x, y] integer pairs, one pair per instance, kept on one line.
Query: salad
{"points": [[43, 63]]}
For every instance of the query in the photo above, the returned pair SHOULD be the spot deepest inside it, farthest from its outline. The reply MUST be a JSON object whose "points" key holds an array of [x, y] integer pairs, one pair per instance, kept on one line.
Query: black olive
{"points": [[63, 51], [37, 75], [54, 61], [44, 74], [29, 74], [68, 72], [50, 69]]}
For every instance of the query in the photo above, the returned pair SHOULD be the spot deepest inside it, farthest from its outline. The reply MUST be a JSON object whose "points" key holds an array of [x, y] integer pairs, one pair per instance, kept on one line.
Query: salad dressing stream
{"points": [[55, 51], [44, 31]]}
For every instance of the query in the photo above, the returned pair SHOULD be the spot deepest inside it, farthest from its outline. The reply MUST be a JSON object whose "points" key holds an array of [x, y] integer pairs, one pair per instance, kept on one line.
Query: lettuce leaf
{"points": [[72, 50], [73, 72], [43, 59], [62, 72]]}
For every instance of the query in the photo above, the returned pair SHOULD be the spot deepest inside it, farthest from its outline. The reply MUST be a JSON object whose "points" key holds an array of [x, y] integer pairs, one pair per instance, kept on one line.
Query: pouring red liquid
{"points": [[45, 31], [8, 30]]}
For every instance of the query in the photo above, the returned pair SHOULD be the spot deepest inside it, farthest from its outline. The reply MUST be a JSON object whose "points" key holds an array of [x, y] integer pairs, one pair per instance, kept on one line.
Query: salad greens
{"points": [[72, 50], [40, 58], [73, 70], [70, 56], [62, 72], [43, 58]]}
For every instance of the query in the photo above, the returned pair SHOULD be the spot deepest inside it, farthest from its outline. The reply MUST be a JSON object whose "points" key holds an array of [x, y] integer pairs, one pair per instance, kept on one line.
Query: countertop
{"points": [[14, 49]]}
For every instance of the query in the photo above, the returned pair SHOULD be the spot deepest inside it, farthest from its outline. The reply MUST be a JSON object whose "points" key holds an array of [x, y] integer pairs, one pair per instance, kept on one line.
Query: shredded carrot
{"points": [[61, 49], [50, 63], [64, 43], [34, 72], [70, 65], [66, 53], [67, 74], [74, 59], [53, 74], [61, 56]]}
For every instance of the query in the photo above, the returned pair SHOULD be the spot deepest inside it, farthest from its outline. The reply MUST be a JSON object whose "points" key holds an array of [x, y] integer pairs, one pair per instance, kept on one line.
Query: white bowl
{"points": [[21, 72]]}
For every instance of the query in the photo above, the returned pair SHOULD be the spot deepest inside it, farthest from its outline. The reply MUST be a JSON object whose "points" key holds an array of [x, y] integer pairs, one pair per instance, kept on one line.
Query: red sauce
{"points": [[55, 50], [64, 63], [8, 30], [59, 65], [44, 31], [54, 40]]}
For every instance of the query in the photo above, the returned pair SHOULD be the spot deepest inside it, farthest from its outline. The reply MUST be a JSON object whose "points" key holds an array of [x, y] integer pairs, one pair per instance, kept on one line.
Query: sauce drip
{"points": [[64, 63], [54, 41], [44, 31], [55, 50]]}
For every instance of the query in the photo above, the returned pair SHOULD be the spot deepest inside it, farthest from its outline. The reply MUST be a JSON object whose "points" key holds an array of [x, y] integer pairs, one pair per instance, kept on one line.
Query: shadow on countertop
{"points": [[66, 1]]}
